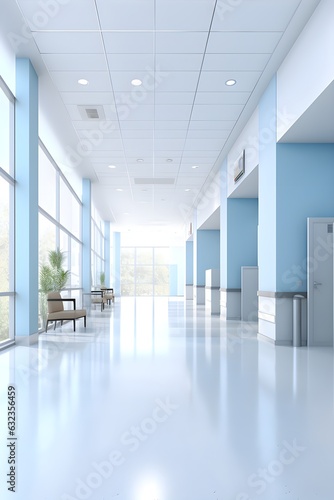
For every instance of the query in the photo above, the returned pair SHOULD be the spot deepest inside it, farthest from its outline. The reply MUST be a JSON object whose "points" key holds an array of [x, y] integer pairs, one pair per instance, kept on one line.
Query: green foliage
{"points": [[102, 278], [53, 277]]}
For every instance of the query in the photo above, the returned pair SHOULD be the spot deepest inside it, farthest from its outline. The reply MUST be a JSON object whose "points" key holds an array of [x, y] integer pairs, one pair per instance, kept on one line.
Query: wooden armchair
{"points": [[56, 311]]}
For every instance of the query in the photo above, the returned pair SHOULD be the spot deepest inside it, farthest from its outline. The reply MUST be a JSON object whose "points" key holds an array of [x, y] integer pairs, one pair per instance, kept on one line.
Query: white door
{"points": [[320, 281]]}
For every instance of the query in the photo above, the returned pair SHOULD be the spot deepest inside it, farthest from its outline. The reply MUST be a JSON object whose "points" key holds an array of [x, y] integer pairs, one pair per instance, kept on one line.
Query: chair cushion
{"points": [[54, 306], [69, 314]]}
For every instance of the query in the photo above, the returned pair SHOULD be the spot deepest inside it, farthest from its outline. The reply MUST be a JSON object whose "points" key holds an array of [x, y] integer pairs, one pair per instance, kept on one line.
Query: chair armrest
{"points": [[64, 300]]}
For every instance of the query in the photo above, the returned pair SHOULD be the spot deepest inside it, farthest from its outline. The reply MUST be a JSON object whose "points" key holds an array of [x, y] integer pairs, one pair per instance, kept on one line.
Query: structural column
{"points": [[117, 264], [239, 221], [26, 199], [107, 252], [86, 235], [206, 256], [189, 270]]}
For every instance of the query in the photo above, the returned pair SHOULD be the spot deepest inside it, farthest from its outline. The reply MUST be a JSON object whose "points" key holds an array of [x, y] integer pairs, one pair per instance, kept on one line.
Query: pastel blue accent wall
{"points": [[223, 225], [117, 264], [267, 189], [305, 181], [86, 236], [189, 262], [173, 280], [195, 248], [26, 199], [242, 221], [208, 252], [107, 251]]}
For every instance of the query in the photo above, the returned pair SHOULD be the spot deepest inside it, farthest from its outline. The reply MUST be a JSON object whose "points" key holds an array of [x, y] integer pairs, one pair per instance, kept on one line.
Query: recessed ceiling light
{"points": [[83, 81], [140, 160], [194, 166], [119, 189], [230, 83], [169, 160], [187, 189], [111, 166], [136, 82]]}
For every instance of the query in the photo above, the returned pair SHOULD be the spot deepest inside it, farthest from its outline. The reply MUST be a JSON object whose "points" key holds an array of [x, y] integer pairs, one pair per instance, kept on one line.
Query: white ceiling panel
{"points": [[204, 144], [179, 112], [130, 62], [136, 125], [211, 125], [180, 42], [137, 145], [243, 43], [67, 81], [208, 134], [167, 125], [183, 112], [141, 112], [189, 15], [121, 81], [257, 15], [218, 112], [177, 81], [170, 134], [69, 42], [60, 15], [179, 62], [137, 134], [91, 125], [215, 81], [222, 97], [174, 97], [168, 144], [75, 62], [135, 97], [235, 62], [87, 98], [129, 43], [126, 14]]}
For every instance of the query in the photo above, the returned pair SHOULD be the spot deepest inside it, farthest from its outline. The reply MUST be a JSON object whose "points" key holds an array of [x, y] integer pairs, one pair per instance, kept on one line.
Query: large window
{"points": [[97, 247], [59, 223], [145, 271], [7, 295]]}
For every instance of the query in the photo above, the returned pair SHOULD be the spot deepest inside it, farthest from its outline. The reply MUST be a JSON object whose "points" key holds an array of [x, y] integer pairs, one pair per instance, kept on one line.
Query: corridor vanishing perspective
{"points": [[157, 400]]}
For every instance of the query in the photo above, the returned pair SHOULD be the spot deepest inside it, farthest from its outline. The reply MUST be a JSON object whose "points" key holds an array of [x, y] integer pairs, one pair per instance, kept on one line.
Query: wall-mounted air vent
{"points": [[92, 112]]}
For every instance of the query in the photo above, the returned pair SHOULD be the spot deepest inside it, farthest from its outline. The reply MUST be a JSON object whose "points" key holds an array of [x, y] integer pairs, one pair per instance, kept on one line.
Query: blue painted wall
{"points": [[189, 262], [267, 189], [86, 236], [242, 221], [208, 252], [107, 251], [117, 264], [26, 199], [305, 181]]}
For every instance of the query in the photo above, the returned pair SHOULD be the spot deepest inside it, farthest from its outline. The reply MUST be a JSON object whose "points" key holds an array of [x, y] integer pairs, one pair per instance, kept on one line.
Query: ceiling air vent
{"points": [[154, 180], [92, 112]]}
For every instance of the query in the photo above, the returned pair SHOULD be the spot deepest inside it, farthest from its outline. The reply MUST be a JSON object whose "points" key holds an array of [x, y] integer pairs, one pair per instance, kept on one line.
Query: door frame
{"points": [[311, 221]]}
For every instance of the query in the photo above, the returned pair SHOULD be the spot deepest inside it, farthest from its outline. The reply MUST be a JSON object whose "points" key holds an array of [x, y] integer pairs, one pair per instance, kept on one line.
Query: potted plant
{"points": [[52, 277], [102, 279]]}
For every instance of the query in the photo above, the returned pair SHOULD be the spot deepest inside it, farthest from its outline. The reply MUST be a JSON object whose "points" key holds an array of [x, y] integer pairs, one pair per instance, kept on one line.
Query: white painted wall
{"points": [[210, 201], [249, 141], [308, 68]]}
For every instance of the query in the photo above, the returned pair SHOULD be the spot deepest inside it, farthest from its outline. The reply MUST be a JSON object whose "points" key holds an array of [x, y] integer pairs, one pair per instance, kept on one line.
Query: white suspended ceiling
{"points": [[183, 115]]}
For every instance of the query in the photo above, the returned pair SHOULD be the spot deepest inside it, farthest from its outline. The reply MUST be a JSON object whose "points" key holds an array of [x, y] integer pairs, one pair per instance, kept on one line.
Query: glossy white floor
{"points": [[158, 401]]}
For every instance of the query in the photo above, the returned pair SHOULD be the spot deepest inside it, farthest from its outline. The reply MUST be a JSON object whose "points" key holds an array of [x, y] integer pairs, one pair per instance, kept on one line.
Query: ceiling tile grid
{"points": [[182, 114]]}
